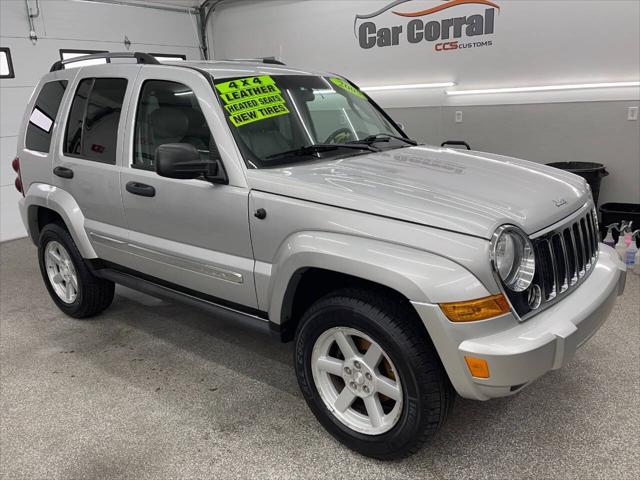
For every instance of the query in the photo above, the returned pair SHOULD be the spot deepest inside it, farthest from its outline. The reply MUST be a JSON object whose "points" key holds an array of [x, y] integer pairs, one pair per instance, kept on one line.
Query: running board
{"points": [[250, 320]]}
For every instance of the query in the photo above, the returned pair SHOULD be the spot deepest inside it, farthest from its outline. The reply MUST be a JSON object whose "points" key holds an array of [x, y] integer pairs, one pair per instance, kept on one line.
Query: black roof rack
{"points": [[139, 56], [267, 60]]}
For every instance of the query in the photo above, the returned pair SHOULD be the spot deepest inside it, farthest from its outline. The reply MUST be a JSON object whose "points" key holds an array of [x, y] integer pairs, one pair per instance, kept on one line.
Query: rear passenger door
{"points": [[89, 157], [190, 233]]}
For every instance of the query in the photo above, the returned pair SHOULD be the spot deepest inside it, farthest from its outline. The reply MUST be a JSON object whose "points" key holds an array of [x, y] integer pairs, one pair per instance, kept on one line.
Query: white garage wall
{"points": [[67, 24], [535, 43]]}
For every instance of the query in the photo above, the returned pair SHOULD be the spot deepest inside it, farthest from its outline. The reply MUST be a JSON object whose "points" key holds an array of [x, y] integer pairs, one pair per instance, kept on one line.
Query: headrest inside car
{"points": [[168, 122]]}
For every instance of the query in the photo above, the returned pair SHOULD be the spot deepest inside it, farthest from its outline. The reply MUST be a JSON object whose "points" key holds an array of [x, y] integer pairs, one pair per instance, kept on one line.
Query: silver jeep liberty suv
{"points": [[404, 273]]}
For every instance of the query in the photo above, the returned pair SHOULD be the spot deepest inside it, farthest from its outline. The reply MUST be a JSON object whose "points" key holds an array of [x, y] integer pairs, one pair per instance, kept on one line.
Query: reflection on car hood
{"points": [[458, 190]]}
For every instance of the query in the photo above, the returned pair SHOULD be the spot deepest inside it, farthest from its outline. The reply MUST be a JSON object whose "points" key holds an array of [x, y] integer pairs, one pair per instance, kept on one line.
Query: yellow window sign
{"points": [[347, 86], [252, 99]]}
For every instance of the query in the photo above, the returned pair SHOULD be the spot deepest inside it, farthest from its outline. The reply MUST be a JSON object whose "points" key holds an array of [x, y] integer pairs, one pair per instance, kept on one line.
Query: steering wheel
{"points": [[341, 135]]}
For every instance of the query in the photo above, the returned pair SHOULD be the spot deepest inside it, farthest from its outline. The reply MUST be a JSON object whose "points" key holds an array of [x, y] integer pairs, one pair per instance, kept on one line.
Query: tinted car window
{"points": [[73, 139], [168, 112], [275, 119], [43, 116], [92, 129]]}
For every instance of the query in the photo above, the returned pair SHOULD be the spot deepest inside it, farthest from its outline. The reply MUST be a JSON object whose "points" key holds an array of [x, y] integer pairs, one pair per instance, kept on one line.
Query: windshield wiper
{"points": [[383, 137], [322, 147]]}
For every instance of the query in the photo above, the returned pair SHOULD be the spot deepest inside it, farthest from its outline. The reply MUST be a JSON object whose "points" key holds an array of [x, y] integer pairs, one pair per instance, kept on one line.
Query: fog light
{"points": [[478, 367], [534, 297]]}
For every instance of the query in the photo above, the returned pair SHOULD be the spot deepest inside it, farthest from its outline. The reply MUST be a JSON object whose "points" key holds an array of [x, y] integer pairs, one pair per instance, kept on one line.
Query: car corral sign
{"points": [[446, 34]]}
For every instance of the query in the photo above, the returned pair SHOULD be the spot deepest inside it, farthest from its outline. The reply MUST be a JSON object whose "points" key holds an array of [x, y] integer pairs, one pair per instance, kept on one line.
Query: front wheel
{"points": [[370, 374]]}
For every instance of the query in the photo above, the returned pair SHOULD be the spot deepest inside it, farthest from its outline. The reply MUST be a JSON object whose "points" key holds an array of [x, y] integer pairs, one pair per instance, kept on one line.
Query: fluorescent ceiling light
{"points": [[544, 88], [408, 87]]}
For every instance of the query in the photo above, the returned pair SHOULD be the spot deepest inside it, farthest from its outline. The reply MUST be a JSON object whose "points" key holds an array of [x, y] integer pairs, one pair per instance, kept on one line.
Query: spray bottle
{"points": [[609, 240], [628, 235], [632, 251], [621, 247]]}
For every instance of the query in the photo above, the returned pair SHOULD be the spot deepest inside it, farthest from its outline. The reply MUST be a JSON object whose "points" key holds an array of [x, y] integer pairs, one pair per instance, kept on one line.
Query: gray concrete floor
{"points": [[152, 390]]}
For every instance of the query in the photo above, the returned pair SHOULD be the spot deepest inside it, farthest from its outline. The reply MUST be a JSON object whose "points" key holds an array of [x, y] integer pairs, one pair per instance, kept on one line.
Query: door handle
{"points": [[63, 172], [141, 189]]}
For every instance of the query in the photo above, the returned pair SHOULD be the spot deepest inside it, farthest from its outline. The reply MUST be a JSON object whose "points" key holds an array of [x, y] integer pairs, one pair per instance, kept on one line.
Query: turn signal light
{"points": [[474, 310], [478, 367]]}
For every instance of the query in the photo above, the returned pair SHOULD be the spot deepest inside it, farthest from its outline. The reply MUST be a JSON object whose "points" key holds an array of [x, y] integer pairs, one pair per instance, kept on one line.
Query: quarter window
{"points": [[92, 128], [43, 116], [168, 112]]}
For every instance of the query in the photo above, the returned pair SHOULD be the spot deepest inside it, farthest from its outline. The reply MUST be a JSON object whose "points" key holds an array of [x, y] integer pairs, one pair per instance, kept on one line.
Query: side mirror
{"points": [[182, 161], [401, 125]]}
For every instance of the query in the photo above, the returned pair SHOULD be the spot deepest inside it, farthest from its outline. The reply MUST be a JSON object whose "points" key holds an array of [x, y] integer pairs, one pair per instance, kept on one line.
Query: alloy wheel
{"points": [[61, 272], [357, 380]]}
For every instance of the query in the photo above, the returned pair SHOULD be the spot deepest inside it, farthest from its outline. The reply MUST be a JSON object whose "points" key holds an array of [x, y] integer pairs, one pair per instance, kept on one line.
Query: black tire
{"points": [[94, 294], [428, 394]]}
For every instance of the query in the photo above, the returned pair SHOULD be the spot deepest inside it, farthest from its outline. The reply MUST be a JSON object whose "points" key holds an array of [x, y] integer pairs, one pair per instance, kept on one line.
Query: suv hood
{"points": [[458, 190]]}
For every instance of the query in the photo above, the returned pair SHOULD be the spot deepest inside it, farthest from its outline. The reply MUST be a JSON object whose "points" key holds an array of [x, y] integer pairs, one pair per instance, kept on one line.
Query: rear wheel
{"points": [[71, 285], [370, 374]]}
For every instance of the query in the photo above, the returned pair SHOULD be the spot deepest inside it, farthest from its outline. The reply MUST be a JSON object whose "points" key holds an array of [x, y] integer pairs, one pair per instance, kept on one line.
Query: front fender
{"points": [[61, 202], [419, 276]]}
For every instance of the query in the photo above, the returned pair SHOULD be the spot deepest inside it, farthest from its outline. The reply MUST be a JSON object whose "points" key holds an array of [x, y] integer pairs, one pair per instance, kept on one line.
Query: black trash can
{"points": [[616, 213], [591, 172]]}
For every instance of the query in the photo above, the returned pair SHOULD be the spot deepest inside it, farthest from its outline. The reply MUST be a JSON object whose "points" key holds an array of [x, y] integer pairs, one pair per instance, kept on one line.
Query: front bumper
{"points": [[518, 353]]}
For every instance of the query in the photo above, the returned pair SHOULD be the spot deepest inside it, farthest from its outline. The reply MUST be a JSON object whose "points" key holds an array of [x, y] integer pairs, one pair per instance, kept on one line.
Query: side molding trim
{"points": [[160, 288]]}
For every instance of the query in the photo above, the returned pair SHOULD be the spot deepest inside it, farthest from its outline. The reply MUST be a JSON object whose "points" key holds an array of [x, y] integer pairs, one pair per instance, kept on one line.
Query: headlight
{"points": [[513, 258]]}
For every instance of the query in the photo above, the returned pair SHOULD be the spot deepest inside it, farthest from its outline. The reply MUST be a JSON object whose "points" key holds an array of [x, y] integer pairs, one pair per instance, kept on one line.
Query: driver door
{"points": [[189, 233]]}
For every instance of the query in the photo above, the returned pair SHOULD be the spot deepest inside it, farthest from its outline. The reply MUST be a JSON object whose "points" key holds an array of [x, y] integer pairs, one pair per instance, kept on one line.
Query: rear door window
{"points": [[92, 128], [43, 116]]}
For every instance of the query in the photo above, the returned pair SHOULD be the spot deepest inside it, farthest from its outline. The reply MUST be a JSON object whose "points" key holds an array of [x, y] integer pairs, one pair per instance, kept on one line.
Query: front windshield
{"points": [[276, 119]]}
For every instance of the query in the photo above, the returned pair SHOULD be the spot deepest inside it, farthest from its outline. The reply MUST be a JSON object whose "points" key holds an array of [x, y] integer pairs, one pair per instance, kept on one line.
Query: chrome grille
{"points": [[565, 256]]}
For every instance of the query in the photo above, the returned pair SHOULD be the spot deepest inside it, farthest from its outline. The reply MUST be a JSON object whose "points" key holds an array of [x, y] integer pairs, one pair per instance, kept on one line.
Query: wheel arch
{"points": [[46, 204], [311, 264], [309, 284]]}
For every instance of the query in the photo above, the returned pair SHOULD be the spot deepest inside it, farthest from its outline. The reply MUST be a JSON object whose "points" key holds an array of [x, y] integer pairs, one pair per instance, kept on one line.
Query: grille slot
{"points": [[564, 257], [560, 257]]}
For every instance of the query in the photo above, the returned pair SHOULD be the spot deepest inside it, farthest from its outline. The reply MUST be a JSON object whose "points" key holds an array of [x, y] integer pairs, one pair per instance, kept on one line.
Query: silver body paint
{"points": [[417, 220]]}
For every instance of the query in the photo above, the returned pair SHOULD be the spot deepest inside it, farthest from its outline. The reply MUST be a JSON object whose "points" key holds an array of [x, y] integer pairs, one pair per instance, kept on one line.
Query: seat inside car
{"points": [[178, 125], [264, 138], [168, 125]]}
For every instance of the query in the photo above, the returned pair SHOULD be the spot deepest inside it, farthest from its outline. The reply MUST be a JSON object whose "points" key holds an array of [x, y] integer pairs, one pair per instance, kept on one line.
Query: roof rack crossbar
{"points": [[139, 56], [265, 60]]}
